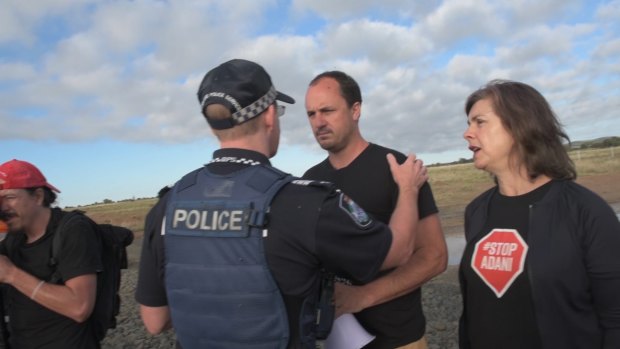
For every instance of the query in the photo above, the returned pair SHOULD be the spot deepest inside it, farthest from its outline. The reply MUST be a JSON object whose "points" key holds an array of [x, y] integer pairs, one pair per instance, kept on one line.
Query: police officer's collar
{"points": [[240, 156]]}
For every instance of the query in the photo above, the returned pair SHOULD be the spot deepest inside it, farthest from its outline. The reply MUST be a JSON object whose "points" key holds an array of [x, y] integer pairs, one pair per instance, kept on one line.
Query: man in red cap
{"points": [[41, 313]]}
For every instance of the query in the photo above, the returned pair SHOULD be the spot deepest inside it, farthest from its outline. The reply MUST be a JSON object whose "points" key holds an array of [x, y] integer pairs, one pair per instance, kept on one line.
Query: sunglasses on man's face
{"points": [[281, 109]]}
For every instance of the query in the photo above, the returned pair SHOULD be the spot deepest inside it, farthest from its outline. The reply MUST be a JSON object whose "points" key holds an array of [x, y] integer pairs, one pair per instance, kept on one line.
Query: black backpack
{"points": [[113, 241]]}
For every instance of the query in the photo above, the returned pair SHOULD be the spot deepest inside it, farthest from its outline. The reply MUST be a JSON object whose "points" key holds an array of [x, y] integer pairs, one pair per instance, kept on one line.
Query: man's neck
{"points": [[345, 156]]}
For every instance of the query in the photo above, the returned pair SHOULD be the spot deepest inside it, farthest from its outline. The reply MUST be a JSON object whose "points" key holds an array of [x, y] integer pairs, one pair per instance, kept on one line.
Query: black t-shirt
{"points": [[507, 321], [307, 228], [32, 325], [368, 180]]}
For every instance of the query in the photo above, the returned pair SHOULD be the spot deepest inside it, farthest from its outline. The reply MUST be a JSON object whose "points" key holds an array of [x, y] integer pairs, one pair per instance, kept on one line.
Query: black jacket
{"points": [[573, 265]]}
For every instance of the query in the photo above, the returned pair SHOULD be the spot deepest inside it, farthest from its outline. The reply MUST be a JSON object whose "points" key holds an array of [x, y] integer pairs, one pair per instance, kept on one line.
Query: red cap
{"points": [[17, 174]]}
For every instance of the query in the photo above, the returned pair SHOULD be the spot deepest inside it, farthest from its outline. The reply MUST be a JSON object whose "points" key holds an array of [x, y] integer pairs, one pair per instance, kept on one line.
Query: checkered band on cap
{"points": [[245, 114], [242, 115]]}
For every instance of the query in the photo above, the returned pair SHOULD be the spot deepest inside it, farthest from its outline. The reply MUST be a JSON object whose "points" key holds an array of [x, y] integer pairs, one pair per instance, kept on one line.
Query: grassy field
{"points": [[128, 214], [453, 186]]}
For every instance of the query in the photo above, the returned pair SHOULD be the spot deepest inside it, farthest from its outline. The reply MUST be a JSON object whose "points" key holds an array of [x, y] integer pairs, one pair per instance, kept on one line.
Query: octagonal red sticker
{"points": [[499, 258]]}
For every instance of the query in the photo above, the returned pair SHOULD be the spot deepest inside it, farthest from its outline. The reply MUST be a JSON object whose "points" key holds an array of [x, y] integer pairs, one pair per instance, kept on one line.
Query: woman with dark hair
{"points": [[541, 268]]}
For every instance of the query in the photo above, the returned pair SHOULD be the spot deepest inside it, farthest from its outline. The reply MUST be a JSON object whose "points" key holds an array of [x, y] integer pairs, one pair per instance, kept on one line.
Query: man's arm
{"points": [[409, 177], [75, 299], [156, 319], [430, 258]]}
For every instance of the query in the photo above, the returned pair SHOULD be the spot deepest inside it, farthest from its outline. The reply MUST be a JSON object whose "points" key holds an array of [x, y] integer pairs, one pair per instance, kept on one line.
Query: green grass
{"points": [[129, 213], [596, 161], [454, 186]]}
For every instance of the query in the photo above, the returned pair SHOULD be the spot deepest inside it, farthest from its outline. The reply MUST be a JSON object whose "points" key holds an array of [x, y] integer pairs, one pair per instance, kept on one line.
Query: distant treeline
{"points": [[108, 201], [604, 142], [459, 161]]}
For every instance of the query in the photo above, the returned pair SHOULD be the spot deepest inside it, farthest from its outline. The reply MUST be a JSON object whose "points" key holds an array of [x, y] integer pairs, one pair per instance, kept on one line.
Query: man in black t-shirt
{"points": [[42, 314], [389, 307], [307, 226]]}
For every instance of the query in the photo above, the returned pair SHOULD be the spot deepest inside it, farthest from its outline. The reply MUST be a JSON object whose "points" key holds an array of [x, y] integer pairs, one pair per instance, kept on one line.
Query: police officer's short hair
{"points": [[220, 112]]}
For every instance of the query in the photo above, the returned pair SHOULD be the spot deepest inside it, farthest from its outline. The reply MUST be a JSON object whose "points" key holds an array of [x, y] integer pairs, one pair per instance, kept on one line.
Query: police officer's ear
{"points": [[270, 116]]}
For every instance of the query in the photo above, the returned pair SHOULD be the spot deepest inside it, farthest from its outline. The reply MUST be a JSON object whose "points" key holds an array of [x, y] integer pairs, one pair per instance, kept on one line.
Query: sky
{"points": [[101, 95]]}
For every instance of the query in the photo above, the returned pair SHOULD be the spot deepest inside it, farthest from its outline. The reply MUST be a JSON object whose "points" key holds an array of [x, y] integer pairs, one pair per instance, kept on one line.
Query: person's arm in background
{"points": [[150, 289], [156, 319]]}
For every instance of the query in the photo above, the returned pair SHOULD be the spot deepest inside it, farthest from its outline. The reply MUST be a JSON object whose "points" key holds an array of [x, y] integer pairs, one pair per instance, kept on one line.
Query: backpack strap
{"points": [[56, 278]]}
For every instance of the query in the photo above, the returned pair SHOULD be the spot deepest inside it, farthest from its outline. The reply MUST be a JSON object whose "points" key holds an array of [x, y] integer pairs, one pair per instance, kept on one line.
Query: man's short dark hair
{"points": [[349, 89], [49, 197]]}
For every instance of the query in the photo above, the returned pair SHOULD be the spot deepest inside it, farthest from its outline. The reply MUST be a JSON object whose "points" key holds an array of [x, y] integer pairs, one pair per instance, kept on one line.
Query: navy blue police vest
{"points": [[220, 290]]}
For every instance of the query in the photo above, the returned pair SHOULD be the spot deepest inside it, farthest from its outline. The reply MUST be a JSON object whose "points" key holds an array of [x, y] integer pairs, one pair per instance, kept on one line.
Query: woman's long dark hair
{"points": [[535, 128]]}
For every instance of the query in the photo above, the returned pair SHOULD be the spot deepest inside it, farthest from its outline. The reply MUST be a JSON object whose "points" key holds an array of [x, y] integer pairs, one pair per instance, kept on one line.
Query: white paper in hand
{"points": [[347, 333]]}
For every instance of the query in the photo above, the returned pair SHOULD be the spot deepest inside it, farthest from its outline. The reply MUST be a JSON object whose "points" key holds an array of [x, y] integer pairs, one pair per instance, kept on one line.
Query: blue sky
{"points": [[101, 95]]}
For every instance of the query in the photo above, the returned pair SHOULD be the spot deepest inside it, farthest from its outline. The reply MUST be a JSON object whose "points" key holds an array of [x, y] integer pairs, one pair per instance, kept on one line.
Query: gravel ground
{"points": [[440, 298], [129, 332]]}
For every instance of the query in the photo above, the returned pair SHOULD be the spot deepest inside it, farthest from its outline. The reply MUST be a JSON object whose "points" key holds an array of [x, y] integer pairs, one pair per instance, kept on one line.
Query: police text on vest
{"points": [[222, 220]]}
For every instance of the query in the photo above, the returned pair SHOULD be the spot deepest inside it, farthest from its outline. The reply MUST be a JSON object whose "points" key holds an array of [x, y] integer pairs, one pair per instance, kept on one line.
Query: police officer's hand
{"points": [[6, 269], [410, 175]]}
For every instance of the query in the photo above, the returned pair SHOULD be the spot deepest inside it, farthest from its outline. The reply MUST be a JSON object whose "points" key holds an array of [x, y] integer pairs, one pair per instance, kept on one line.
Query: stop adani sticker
{"points": [[499, 258]]}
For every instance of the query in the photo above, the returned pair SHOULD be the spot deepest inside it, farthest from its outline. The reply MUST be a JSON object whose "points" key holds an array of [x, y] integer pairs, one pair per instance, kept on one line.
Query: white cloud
{"points": [[381, 42], [456, 20], [129, 70], [531, 12], [12, 28], [337, 10], [16, 71], [123, 26], [609, 11], [20, 20], [608, 49]]}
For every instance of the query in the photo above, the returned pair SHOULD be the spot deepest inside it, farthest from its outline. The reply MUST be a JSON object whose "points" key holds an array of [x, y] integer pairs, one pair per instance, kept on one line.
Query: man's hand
{"points": [[410, 175], [6, 269], [348, 299]]}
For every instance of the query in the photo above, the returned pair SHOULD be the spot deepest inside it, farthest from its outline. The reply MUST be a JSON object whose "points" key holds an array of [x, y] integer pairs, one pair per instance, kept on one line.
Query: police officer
{"points": [[227, 235]]}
